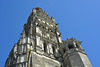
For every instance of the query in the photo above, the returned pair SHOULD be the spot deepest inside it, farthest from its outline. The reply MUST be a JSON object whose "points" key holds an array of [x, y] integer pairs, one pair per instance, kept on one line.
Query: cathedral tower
{"points": [[41, 45]]}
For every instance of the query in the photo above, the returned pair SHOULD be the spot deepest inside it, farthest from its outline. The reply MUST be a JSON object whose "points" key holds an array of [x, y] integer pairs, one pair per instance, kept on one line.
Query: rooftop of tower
{"points": [[39, 13]]}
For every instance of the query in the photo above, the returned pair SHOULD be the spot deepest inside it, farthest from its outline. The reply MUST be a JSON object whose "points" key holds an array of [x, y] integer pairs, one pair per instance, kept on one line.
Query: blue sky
{"points": [[77, 18]]}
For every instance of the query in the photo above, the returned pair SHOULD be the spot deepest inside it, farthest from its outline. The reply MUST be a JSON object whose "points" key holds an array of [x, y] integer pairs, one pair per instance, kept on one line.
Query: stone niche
{"points": [[43, 61]]}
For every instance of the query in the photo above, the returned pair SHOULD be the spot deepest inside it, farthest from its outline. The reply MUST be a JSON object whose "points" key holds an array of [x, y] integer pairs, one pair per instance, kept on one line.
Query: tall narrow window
{"points": [[77, 46], [64, 50], [53, 49], [45, 47]]}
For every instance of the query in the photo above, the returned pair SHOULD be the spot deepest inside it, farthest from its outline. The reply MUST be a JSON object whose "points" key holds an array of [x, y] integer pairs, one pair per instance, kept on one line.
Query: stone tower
{"points": [[40, 45], [74, 55]]}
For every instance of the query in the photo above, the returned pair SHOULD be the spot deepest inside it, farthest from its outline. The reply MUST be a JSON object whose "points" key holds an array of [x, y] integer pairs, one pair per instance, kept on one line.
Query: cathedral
{"points": [[41, 45]]}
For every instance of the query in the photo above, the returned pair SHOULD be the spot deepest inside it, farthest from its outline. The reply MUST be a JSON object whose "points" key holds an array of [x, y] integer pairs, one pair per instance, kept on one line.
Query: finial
{"points": [[38, 8], [52, 19], [72, 38], [34, 10], [57, 24]]}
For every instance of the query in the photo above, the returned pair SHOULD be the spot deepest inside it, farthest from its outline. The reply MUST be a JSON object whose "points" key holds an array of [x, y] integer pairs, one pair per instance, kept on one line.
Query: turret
{"points": [[74, 55]]}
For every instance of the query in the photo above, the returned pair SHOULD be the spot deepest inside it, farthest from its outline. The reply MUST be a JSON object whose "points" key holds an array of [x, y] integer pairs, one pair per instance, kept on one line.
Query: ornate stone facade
{"points": [[40, 45]]}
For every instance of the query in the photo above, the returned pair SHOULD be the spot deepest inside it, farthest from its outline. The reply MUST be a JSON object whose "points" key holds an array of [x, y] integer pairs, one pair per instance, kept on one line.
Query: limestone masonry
{"points": [[40, 45]]}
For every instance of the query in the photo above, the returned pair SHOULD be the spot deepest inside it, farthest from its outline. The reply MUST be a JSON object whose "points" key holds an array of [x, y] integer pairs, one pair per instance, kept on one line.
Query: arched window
{"points": [[70, 46]]}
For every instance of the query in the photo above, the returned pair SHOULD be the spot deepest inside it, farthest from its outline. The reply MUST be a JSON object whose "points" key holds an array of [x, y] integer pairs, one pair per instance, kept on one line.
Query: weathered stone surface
{"points": [[41, 45], [43, 61]]}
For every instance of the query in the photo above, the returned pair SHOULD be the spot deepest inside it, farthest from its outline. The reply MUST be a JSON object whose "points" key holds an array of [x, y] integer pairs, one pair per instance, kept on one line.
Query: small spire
{"points": [[52, 19], [38, 8], [34, 10], [71, 38]]}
